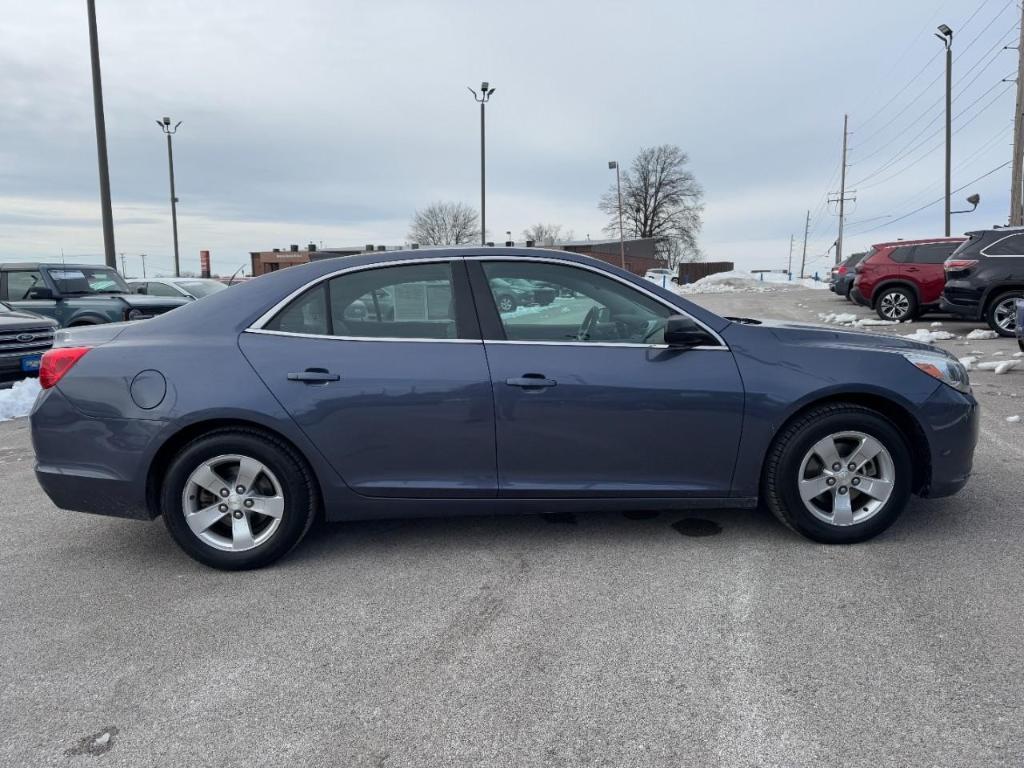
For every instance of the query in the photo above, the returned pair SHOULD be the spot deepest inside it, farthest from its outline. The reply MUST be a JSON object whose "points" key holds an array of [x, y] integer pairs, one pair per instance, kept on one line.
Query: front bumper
{"points": [[88, 464], [951, 422]]}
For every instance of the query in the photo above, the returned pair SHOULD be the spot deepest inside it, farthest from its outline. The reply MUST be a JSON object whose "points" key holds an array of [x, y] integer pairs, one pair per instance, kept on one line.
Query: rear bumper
{"points": [[964, 309], [951, 424], [88, 464], [858, 298]]}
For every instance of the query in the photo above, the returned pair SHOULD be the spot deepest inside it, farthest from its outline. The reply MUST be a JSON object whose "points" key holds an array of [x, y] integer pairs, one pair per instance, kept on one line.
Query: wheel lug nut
{"points": [[837, 466], [830, 481], [842, 489], [248, 502], [856, 481], [241, 488], [223, 507], [238, 514], [225, 492], [852, 466]]}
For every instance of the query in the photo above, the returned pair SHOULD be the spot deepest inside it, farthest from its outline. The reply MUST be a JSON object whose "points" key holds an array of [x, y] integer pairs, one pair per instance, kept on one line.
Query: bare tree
{"points": [[661, 198], [547, 234], [444, 223]]}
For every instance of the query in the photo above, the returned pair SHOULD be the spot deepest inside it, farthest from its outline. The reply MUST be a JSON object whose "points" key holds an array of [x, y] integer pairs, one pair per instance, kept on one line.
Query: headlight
{"points": [[138, 314], [945, 369]]}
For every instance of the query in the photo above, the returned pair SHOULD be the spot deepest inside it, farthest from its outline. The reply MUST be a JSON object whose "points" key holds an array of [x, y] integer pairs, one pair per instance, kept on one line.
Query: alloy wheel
{"points": [[1005, 314], [846, 478], [233, 503], [505, 304], [895, 306]]}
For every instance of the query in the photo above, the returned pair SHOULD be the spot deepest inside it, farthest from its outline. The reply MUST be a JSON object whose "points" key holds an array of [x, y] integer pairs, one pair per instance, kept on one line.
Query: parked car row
{"points": [[37, 298], [979, 277]]}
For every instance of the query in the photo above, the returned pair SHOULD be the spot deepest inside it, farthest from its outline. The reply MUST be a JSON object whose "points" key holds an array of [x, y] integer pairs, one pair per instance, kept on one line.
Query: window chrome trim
{"points": [[266, 317], [627, 345], [416, 340]]}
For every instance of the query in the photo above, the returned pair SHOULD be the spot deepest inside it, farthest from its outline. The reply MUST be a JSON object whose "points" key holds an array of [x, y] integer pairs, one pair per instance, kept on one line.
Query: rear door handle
{"points": [[531, 381], [314, 376]]}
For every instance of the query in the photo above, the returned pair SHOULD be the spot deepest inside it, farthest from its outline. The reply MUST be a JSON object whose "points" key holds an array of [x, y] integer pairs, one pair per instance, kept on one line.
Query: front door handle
{"points": [[314, 376], [531, 381]]}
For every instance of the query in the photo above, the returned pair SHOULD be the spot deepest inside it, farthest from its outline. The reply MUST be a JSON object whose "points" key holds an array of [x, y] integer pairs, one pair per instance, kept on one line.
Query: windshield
{"points": [[201, 288], [88, 280]]}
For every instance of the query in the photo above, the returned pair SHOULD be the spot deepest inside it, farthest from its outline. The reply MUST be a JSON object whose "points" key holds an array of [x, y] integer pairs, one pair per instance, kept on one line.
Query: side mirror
{"points": [[40, 293], [682, 331]]}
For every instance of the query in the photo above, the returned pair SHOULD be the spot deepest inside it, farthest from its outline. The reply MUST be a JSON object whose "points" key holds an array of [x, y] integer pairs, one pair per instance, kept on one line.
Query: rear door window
{"points": [[20, 283], [1012, 245], [902, 255]]}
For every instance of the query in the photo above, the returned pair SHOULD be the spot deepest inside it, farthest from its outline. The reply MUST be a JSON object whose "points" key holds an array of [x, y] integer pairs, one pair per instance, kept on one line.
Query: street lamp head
{"points": [[974, 199], [945, 30], [167, 121], [484, 86], [612, 165]]}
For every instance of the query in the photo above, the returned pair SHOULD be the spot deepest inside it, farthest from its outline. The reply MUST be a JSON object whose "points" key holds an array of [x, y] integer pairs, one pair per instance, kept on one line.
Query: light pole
{"points": [[110, 257], [165, 126], [482, 98], [614, 165], [946, 37], [142, 256]]}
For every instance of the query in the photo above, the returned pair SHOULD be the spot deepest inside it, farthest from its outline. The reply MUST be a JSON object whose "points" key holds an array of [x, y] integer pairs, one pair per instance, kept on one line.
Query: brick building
{"points": [[639, 254]]}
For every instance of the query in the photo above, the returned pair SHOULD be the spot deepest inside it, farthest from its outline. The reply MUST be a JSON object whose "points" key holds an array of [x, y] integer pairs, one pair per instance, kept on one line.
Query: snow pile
{"points": [[18, 400], [968, 362], [875, 321], [999, 366], [1018, 354], [929, 337], [727, 282], [839, 318], [936, 324], [1013, 419], [978, 334]]}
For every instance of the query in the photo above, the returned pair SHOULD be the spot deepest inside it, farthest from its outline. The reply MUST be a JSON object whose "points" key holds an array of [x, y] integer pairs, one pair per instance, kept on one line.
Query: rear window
{"points": [[1011, 245], [901, 255], [933, 253], [968, 244]]}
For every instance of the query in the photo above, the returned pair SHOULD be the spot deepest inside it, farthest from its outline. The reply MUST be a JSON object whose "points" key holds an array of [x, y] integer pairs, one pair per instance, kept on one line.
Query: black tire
{"points": [[301, 498], [994, 307], [902, 300], [782, 471]]}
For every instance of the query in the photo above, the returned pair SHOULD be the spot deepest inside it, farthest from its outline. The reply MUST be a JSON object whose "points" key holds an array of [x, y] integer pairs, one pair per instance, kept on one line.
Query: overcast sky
{"points": [[332, 121]]}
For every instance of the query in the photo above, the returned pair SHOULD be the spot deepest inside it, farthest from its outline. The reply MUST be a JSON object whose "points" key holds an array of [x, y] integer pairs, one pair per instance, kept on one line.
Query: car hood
{"points": [[22, 318], [827, 336]]}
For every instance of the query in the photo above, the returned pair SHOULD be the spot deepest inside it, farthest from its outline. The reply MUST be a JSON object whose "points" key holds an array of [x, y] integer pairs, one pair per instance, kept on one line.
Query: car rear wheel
{"points": [[506, 304], [1002, 313], [237, 498], [898, 304], [839, 474]]}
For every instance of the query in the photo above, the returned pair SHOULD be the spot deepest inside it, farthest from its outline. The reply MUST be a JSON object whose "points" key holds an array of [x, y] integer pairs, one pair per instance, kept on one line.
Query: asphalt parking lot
{"points": [[601, 640]]}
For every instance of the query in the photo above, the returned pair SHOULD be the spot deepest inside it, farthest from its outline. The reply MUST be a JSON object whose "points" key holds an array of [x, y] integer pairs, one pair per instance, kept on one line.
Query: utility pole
{"points": [[947, 39], [110, 257], [803, 258], [165, 126], [618, 185], [483, 97], [842, 199], [124, 266], [789, 269], [1016, 191], [143, 257]]}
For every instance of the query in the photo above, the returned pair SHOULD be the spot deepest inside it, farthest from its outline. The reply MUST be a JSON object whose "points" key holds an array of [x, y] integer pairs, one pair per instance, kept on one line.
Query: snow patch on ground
{"points": [[998, 366], [929, 337], [978, 334], [839, 318], [739, 281], [1013, 419], [18, 400]]}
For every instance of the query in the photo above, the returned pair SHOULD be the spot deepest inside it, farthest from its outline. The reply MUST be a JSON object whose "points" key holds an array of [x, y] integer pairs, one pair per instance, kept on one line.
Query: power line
{"points": [[935, 202]]}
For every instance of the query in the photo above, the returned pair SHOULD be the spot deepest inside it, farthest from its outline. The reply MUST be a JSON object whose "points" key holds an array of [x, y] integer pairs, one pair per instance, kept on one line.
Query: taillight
{"points": [[958, 265], [842, 270], [57, 362]]}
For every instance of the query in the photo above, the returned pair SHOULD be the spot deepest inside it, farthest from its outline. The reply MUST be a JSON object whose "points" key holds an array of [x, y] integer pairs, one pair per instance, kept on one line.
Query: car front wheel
{"points": [[898, 304], [839, 474], [1002, 313], [236, 498]]}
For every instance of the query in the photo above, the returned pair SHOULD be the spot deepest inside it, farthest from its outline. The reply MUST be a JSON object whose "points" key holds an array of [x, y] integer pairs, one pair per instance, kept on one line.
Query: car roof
{"points": [[920, 241], [170, 279]]}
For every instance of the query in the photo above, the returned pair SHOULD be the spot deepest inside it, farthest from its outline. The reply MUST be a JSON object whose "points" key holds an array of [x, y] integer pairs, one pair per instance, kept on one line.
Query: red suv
{"points": [[904, 279]]}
